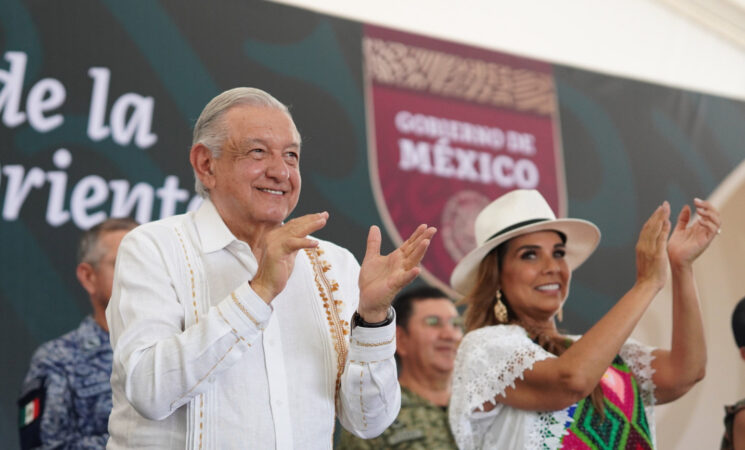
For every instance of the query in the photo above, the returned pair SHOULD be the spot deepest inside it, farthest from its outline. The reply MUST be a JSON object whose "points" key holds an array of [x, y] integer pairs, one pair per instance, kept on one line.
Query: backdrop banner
{"points": [[451, 128]]}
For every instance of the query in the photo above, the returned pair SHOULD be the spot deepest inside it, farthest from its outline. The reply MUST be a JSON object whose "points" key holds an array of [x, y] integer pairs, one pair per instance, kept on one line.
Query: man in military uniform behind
{"points": [[734, 415], [428, 332], [66, 397]]}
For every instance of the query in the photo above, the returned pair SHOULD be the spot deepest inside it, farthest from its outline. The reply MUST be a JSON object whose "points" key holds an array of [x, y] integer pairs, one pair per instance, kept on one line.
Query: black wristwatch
{"points": [[358, 322]]}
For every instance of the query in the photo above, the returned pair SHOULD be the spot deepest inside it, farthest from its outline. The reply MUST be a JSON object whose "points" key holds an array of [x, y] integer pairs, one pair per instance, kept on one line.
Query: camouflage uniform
{"points": [[419, 425], [66, 396], [729, 417]]}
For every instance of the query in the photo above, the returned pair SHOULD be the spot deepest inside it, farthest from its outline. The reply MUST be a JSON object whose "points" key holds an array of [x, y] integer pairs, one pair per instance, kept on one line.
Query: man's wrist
{"points": [[357, 320], [261, 291]]}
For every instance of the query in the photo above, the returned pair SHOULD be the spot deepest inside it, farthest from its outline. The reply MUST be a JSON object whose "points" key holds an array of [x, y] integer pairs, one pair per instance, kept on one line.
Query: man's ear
{"points": [[742, 352], [87, 277], [401, 336], [203, 162]]}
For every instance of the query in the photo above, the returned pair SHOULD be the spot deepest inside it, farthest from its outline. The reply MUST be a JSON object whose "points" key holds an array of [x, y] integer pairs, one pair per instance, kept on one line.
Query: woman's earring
{"points": [[500, 310], [560, 314]]}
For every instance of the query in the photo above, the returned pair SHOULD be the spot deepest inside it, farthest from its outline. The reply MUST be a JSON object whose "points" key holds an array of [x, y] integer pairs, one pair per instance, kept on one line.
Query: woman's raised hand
{"points": [[688, 241], [651, 258]]}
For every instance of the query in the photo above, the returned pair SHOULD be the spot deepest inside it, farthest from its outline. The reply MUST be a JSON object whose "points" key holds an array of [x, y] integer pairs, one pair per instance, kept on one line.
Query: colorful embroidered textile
{"points": [[623, 423], [491, 359]]}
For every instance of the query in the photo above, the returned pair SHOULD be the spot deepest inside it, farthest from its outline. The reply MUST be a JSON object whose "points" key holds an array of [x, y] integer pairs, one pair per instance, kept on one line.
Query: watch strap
{"points": [[359, 322]]}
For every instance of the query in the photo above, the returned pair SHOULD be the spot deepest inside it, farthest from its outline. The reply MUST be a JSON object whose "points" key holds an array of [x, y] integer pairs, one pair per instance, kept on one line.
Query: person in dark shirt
{"points": [[66, 396]]}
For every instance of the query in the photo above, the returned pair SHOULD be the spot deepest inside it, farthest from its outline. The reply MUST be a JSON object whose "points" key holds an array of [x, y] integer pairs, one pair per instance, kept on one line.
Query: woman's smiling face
{"points": [[534, 276]]}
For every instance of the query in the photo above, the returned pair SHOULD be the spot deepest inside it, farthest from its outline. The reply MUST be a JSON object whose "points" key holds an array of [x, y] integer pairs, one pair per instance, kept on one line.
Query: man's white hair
{"points": [[211, 130]]}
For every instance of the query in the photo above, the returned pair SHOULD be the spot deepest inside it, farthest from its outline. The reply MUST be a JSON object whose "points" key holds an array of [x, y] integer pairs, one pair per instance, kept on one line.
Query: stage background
{"points": [[98, 100]]}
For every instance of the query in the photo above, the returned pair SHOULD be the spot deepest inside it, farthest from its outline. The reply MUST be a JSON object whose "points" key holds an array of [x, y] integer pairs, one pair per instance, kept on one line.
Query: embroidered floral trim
{"points": [[374, 344], [369, 363], [639, 358], [209, 372], [201, 417], [489, 361], [338, 327], [191, 275], [245, 311], [235, 332], [192, 284], [362, 403], [546, 429]]}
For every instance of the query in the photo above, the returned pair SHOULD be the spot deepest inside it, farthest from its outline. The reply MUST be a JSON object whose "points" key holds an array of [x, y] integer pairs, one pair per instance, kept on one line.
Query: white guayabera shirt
{"points": [[200, 361]]}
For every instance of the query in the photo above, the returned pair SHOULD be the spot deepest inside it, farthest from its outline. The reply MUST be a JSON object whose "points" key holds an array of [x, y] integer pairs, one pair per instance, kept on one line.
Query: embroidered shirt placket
{"points": [[338, 327], [193, 290]]}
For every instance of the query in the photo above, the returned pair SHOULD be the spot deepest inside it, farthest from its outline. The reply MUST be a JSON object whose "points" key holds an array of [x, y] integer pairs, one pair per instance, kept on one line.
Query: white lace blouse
{"points": [[489, 360]]}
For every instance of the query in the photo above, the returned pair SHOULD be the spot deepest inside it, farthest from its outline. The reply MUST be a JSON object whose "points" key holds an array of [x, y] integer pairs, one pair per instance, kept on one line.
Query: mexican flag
{"points": [[30, 412]]}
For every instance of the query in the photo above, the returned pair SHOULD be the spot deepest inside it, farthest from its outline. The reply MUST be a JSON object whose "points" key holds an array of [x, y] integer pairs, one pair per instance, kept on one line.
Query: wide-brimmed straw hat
{"points": [[513, 214]]}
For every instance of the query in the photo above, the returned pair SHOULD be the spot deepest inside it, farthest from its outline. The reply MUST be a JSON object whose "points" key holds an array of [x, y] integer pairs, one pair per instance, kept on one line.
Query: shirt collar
{"points": [[213, 232]]}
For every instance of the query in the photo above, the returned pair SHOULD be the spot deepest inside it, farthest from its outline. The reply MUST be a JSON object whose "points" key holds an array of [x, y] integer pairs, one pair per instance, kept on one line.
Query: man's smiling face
{"points": [[256, 178]]}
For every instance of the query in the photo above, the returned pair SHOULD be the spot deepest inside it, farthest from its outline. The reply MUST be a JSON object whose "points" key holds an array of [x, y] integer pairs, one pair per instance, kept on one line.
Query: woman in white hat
{"points": [[518, 383]]}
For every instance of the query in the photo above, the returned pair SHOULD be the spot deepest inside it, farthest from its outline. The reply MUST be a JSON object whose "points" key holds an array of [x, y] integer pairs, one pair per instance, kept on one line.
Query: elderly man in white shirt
{"points": [[234, 329]]}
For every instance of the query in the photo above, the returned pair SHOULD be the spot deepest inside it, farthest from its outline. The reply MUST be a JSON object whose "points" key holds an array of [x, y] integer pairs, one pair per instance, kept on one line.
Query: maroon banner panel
{"points": [[451, 128]]}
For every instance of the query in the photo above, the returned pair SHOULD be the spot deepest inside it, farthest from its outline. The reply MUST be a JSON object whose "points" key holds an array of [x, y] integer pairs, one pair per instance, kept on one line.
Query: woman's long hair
{"points": [[480, 312]]}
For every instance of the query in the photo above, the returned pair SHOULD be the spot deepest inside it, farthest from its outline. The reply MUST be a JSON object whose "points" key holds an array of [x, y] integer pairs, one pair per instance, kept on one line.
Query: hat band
{"points": [[514, 227]]}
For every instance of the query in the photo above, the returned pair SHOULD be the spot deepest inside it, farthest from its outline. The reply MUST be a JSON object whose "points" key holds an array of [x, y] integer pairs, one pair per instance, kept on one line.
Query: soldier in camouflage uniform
{"points": [[66, 396], [734, 415], [427, 335]]}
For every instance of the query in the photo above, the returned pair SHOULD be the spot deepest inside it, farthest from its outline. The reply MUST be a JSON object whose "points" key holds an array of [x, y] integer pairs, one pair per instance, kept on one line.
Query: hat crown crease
{"points": [[513, 209]]}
